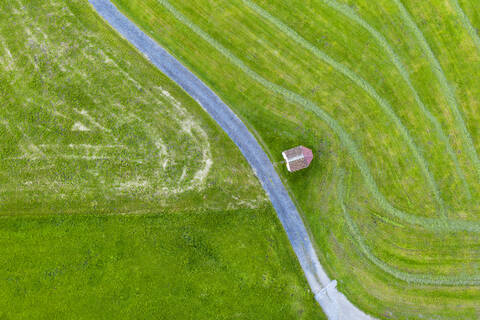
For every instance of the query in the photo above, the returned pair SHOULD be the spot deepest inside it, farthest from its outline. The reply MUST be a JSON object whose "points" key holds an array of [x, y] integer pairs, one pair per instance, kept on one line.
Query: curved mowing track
{"points": [[335, 304], [433, 224], [364, 85], [415, 278], [456, 280], [442, 79], [353, 16], [467, 24]]}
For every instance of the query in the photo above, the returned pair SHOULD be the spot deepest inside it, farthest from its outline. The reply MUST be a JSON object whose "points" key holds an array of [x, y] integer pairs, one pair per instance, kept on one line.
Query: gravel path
{"points": [[334, 304]]}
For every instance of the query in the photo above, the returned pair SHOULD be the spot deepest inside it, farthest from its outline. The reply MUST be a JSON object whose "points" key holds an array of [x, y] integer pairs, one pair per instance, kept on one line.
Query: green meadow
{"points": [[386, 94], [119, 197], [192, 265], [89, 126]]}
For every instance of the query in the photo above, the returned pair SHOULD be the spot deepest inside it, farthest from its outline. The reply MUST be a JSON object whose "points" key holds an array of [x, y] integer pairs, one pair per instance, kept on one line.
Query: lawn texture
{"points": [[386, 94], [87, 125], [120, 198], [192, 265]]}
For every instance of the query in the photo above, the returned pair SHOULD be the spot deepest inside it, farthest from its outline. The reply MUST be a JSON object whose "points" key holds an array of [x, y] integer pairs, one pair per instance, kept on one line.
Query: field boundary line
{"points": [[447, 89]]}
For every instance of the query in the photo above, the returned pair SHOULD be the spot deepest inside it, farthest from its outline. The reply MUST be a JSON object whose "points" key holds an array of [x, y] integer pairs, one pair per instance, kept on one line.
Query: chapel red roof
{"points": [[297, 158]]}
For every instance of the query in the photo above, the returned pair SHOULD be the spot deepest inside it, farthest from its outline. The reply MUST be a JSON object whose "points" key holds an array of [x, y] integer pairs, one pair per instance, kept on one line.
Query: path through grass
{"points": [[287, 67]]}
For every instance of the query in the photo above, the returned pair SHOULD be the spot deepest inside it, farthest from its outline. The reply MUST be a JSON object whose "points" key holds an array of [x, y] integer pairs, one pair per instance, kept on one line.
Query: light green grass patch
{"points": [[87, 125]]}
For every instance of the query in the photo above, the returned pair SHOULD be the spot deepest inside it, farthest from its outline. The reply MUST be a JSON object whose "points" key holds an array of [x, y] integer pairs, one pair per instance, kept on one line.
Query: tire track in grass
{"points": [[419, 278], [433, 224], [197, 180], [364, 85], [352, 15], [467, 24], [447, 89]]}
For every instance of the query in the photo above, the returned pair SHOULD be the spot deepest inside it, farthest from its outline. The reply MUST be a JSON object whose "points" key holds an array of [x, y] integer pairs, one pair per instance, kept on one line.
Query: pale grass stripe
{"points": [[352, 15], [467, 24], [415, 278], [447, 89]]}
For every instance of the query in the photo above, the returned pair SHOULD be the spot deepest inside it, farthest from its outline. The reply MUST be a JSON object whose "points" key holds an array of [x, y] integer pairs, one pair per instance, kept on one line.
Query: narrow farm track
{"points": [[334, 303], [308, 105], [447, 89], [433, 224]]}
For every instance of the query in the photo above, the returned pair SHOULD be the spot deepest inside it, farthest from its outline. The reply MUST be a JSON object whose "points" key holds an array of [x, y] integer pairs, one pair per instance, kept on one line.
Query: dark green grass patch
{"points": [[217, 265]]}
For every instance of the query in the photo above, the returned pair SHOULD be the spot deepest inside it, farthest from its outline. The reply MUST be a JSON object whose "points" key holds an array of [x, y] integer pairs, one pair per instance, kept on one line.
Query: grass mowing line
{"points": [[352, 15], [424, 279], [44, 134], [187, 123], [433, 224], [360, 82], [467, 24], [447, 89], [387, 220]]}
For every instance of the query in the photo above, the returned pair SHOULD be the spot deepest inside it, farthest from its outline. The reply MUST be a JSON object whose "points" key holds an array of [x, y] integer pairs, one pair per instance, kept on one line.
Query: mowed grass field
{"points": [[387, 95], [119, 197], [211, 265], [88, 126]]}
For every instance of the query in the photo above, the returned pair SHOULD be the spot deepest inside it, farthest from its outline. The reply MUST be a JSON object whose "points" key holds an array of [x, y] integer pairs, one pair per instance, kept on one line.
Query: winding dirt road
{"points": [[334, 304]]}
